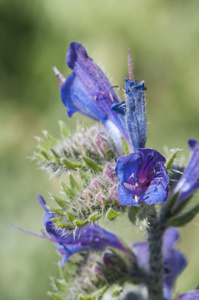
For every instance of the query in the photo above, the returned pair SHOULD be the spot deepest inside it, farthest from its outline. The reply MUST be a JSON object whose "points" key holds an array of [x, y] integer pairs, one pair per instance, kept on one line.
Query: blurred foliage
{"points": [[163, 39]]}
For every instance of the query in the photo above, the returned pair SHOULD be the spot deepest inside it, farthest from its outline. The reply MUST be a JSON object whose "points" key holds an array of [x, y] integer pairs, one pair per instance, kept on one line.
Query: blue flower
{"points": [[143, 178], [90, 237], [190, 178], [132, 113], [191, 295], [173, 260], [88, 91]]}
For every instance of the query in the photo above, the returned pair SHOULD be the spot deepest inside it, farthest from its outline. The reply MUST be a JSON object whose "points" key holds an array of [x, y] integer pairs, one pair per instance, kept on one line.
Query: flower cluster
{"points": [[111, 172]]}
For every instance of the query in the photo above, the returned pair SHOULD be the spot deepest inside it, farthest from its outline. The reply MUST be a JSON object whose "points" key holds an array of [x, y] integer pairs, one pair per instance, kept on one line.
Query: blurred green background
{"points": [[163, 37]]}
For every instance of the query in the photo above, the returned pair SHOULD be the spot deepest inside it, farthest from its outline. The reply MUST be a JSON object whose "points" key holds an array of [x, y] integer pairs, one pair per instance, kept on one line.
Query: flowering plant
{"points": [[110, 172]]}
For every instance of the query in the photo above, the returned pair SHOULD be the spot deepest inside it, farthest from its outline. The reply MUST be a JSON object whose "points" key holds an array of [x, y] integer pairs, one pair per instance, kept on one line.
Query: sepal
{"points": [[171, 158]]}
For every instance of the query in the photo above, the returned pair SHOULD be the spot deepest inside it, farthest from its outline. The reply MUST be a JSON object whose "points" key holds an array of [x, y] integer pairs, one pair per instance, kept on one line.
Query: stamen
{"points": [[59, 76], [130, 66], [136, 198]]}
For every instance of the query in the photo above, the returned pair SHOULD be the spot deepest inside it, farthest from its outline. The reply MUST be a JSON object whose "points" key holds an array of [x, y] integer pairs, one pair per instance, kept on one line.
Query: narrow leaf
{"points": [[185, 218], [56, 296], [171, 158], [70, 193], [62, 203], [74, 184], [70, 216], [49, 138], [63, 129], [94, 216], [92, 165], [111, 214], [70, 165]]}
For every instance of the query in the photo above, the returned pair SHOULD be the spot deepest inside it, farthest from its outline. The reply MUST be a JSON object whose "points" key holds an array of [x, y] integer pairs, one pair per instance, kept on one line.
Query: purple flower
{"points": [[191, 295], [90, 237], [173, 260], [87, 90], [190, 178], [132, 113], [143, 178]]}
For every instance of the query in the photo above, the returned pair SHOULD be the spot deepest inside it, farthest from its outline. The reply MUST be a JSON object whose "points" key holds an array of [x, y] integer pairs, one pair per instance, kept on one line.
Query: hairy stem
{"points": [[154, 233]]}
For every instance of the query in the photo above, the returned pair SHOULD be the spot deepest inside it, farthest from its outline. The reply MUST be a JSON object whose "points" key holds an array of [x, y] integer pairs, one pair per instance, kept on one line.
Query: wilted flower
{"points": [[143, 178], [189, 181], [173, 260], [90, 237]]}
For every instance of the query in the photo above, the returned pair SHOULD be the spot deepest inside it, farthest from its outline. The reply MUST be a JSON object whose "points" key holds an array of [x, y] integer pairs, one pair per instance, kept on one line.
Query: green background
{"points": [[163, 37]]}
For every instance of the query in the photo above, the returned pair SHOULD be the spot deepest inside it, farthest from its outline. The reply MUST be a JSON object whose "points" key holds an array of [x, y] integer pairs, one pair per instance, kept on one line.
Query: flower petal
{"points": [[87, 90], [191, 295], [143, 178], [89, 237], [189, 181]]}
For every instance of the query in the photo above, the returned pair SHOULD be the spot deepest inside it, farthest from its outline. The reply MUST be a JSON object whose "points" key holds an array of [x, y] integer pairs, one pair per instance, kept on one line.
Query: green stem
{"points": [[154, 233]]}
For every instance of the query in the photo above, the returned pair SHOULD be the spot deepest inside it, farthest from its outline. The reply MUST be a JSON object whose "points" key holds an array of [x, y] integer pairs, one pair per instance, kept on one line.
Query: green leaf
{"points": [[94, 295], [74, 184], [166, 207], [185, 218], [70, 193], [62, 203], [116, 291], [56, 156], [61, 287], [94, 217], [70, 216], [65, 225], [58, 211], [79, 223], [49, 138], [70, 165], [84, 177], [44, 144], [56, 296], [181, 206], [38, 156], [92, 165], [125, 147], [63, 129], [133, 212], [46, 155], [109, 153], [111, 214], [171, 158]]}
